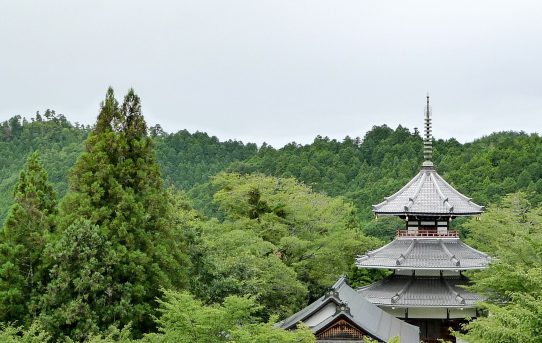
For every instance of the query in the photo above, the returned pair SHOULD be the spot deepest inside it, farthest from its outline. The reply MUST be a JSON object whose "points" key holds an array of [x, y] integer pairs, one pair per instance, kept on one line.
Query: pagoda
{"points": [[427, 258]]}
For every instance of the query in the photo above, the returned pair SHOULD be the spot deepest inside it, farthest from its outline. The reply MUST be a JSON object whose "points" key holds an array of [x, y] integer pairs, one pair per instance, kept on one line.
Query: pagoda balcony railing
{"points": [[426, 233]]}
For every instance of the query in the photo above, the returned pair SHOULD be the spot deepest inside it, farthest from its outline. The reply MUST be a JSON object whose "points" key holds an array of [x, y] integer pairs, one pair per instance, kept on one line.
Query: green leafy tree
{"points": [[135, 247], [184, 319], [33, 334], [23, 239], [279, 224], [236, 261], [512, 284]]}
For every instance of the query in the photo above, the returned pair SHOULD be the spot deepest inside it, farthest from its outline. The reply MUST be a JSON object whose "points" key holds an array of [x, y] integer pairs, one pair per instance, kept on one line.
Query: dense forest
{"points": [[123, 232]]}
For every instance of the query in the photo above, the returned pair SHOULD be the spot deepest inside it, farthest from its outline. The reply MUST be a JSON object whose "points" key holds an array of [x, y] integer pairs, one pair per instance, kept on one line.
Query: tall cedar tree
{"points": [[119, 216], [23, 240]]}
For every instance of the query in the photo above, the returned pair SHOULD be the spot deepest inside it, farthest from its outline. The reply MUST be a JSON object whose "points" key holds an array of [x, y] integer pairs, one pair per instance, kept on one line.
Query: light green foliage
{"points": [[297, 238], [184, 319], [512, 233], [22, 241], [237, 261], [519, 321], [33, 334], [513, 282], [513, 217]]}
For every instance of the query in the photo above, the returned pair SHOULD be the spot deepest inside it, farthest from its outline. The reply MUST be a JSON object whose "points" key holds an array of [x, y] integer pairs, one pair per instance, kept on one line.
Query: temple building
{"points": [[427, 258], [342, 315]]}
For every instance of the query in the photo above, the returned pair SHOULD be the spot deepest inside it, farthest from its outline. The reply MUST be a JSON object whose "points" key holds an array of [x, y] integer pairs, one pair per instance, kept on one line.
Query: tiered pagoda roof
{"points": [[420, 291], [423, 254], [428, 194], [427, 257], [342, 305]]}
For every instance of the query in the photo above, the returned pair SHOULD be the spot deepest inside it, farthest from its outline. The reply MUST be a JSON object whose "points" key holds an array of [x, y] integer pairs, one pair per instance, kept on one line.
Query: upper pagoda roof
{"points": [[343, 302], [414, 291], [428, 194], [424, 253]]}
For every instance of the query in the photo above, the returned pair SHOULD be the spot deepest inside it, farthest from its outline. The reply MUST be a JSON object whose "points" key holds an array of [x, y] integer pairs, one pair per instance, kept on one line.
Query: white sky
{"points": [[279, 71]]}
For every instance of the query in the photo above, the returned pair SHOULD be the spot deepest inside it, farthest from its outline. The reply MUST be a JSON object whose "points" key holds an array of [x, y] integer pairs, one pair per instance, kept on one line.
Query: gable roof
{"points": [[358, 310], [428, 194]]}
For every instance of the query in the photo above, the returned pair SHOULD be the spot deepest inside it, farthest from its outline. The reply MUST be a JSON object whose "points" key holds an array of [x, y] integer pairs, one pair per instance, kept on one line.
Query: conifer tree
{"points": [[23, 239], [116, 187]]}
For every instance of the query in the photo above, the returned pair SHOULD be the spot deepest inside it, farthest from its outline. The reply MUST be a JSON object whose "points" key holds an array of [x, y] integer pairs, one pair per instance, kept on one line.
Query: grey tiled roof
{"points": [[427, 193], [424, 253], [363, 313], [409, 291]]}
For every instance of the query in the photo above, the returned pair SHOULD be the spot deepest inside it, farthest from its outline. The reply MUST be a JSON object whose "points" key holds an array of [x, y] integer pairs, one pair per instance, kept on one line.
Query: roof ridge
{"points": [[386, 199], [458, 192], [402, 257], [452, 257], [417, 191], [402, 291], [339, 282], [458, 296], [441, 195]]}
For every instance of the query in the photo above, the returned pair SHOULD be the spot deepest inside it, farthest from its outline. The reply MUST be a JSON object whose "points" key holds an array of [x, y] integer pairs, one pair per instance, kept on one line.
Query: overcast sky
{"points": [[279, 71]]}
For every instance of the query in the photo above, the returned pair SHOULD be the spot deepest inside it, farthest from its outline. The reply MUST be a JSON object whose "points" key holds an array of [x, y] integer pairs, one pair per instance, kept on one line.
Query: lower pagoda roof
{"points": [[424, 253], [415, 291]]}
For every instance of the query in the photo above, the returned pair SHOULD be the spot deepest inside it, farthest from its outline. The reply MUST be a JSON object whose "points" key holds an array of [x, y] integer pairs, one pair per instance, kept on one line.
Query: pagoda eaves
{"points": [[432, 253], [421, 292], [428, 194]]}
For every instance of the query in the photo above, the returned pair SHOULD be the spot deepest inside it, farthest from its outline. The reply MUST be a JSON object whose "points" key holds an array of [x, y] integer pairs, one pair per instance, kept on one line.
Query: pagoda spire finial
{"points": [[428, 138]]}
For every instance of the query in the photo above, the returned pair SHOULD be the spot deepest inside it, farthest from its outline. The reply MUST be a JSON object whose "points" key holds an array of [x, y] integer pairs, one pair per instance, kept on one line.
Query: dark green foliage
{"points": [[367, 170], [22, 241], [58, 142], [134, 246], [79, 298], [363, 170], [190, 159]]}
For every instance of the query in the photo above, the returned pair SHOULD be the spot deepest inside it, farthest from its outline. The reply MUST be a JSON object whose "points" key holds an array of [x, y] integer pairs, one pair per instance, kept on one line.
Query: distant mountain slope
{"points": [[385, 159], [362, 170], [186, 159]]}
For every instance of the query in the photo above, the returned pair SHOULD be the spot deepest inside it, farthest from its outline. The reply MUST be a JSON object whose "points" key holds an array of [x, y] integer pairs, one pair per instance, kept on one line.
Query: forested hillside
{"points": [[119, 232], [363, 170]]}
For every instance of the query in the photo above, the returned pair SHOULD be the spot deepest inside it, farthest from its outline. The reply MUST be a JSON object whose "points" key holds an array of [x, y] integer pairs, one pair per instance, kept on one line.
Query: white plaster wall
{"points": [[436, 313], [397, 312], [458, 313], [325, 312], [430, 272]]}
